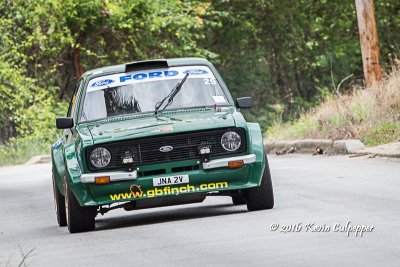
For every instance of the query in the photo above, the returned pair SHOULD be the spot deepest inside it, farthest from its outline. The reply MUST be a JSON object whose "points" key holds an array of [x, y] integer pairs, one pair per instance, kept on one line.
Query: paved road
{"points": [[319, 190]]}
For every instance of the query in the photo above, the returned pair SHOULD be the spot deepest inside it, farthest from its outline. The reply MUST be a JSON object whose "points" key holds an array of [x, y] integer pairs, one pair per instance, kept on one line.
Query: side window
{"points": [[73, 104]]}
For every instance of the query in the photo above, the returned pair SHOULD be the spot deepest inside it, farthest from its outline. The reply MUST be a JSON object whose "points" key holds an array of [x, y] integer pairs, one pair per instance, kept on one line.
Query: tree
{"points": [[369, 41]]}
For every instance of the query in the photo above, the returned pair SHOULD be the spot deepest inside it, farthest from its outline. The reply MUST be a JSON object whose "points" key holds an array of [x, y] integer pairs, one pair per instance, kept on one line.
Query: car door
{"points": [[66, 139]]}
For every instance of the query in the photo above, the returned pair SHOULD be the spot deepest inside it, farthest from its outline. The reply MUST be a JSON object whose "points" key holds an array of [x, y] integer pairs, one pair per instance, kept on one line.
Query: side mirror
{"points": [[64, 123], [244, 102]]}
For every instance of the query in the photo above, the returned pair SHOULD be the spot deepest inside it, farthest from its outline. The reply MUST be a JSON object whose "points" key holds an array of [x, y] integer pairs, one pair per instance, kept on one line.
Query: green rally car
{"points": [[155, 133]]}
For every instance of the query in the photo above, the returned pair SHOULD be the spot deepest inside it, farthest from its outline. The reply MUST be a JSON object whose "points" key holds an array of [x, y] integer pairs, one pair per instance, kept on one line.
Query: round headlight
{"points": [[231, 141], [100, 157]]}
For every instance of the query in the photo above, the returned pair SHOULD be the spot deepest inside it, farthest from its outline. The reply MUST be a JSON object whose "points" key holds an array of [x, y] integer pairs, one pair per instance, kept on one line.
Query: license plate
{"points": [[171, 180]]}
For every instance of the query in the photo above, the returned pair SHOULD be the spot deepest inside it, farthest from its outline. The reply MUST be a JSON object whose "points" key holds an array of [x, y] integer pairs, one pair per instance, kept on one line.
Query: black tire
{"points": [[262, 197], [238, 200], [79, 219], [59, 204]]}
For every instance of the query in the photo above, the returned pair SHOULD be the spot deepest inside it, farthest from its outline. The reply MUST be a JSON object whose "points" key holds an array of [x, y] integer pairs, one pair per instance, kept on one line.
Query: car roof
{"points": [[171, 62]]}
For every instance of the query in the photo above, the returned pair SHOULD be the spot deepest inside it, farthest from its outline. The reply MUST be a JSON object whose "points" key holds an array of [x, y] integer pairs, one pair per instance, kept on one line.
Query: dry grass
{"points": [[370, 114]]}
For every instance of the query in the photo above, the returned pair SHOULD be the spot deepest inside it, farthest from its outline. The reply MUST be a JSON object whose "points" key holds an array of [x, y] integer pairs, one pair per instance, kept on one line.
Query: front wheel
{"points": [[262, 197], [59, 203], [79, 219]]}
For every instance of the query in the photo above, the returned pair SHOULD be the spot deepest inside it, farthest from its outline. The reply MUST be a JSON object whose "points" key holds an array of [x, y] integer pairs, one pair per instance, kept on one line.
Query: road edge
{"points": [[332, 147], [38, 160]]}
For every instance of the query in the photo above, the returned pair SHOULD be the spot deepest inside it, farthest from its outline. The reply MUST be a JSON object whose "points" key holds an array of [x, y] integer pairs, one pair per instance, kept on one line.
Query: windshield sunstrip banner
{"points": [[120, 79]]}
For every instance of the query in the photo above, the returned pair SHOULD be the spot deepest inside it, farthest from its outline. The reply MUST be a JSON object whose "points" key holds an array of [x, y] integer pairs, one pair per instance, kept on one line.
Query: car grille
{"points": [[185, 146]]}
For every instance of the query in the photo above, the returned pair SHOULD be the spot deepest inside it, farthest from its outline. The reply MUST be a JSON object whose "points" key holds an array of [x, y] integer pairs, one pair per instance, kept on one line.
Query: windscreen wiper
{"points": [[171, 95]]}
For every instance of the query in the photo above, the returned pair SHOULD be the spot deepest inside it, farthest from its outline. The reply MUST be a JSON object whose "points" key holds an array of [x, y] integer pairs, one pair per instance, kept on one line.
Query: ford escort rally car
{"points": [[151, 134]]}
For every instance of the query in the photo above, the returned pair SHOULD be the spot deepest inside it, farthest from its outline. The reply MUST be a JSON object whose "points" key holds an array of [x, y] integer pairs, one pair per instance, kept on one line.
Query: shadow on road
{"points": [[158, 215]]}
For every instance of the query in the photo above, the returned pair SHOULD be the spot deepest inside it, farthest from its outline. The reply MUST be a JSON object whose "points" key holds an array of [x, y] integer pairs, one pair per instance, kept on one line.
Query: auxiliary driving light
{"points": [[127, 160], [203, 150], [235, 164], [102, 180]]}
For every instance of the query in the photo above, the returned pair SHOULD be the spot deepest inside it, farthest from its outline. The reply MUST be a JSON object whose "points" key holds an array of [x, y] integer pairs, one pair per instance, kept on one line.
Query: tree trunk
{"points": [[369, 41], [77, 62]]}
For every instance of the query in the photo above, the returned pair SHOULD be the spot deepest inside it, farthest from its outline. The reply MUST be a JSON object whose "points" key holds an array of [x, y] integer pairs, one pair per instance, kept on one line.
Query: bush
{"points": [[19, 150], [370, 114], [27, 116], [385, 132]]}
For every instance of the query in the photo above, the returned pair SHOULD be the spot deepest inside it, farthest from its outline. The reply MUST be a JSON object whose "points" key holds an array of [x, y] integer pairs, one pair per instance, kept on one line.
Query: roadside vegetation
{"points": [[370, 114], [19, 150], [283, 53]]}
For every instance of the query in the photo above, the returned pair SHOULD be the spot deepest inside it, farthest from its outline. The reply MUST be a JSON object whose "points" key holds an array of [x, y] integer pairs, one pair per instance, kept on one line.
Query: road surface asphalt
{"points": [[311, 193]]}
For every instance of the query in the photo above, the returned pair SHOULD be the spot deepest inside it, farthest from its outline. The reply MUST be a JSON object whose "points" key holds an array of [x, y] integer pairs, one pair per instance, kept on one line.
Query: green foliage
{"points": [[304, 127], [26, 109], [27, 115], [284, 53], [383, 133], [360, 112], [295, 52], [18, 150]]}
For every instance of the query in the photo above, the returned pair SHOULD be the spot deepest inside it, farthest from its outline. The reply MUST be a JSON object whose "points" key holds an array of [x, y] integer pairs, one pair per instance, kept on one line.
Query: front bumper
{"points": [[88, 178], [220, 163], [126, 176], [130, 186]]}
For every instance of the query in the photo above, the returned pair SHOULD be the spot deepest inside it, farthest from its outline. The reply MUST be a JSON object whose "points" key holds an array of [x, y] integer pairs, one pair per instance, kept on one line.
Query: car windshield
{"points": [[137, 92]]}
